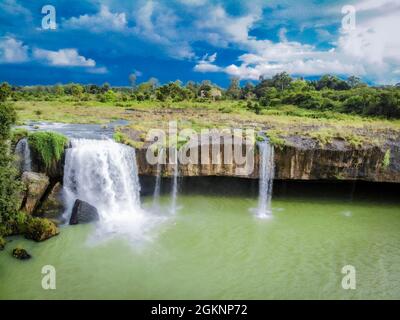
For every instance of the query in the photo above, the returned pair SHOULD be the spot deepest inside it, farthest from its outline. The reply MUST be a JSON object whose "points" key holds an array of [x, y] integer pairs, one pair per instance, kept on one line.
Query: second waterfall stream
{"points": [[266, 174]]}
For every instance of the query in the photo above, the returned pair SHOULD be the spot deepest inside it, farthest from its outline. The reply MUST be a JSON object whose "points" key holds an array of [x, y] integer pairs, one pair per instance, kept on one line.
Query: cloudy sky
{"points": [[98, 41]]}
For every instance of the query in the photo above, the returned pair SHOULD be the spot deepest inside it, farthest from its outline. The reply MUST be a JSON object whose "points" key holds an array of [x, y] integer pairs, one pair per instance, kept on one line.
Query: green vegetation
{"points": [[328, 94], [386, 160], [325, 110], [275, 139], [10, 187], [18, 134], [120, 137], [40, 229], [49, 146]]}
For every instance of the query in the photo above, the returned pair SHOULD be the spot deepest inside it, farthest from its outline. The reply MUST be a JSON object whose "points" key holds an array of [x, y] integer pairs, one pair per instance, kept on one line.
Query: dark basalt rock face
{"points": [[83, 212], [304, 159], [21, 254]]}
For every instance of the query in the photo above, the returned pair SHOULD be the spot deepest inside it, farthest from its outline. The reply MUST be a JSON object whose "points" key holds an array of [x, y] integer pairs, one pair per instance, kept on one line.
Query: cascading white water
{"points": [[157, 189], [104, 174], [266, 174], [24, 152], [174, 192]]}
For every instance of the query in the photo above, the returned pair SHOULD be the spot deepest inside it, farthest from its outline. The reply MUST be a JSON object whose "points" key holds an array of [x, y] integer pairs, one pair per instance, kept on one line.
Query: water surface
{"points": [[215, 248]]}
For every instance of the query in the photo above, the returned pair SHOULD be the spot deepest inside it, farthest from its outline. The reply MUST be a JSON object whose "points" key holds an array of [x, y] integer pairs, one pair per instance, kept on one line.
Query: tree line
{"points": [[327, 93]]}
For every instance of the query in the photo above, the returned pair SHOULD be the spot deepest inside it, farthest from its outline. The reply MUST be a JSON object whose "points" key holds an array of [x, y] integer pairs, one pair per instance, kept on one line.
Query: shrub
{"points": [[386, 160], [17, 135], [10, 187], [39, 229], [49, 146]]}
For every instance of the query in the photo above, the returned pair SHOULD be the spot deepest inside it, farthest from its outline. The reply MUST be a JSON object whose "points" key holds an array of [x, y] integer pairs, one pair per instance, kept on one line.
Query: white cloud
{"points": [[63, 58], [12, 50], [206, 67], [372, 50], [206, 64], [104, 20], [158, 23]]}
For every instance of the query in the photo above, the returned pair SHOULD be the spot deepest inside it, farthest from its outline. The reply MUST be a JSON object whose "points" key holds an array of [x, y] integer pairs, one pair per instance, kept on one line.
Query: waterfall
{"points": [[24, 152], [266, 174], [104, 174], [157, 189], [174, 192]]}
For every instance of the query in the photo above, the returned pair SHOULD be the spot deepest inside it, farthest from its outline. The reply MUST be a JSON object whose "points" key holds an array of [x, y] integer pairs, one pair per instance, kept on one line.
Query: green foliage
{"points": [[386, 159], [329, 93], [254, 106], [48, 145], [5, 91], [39, 229], [18, 134], [275, 138], [10, 187], [8, 117], [233, 91], [120, 137]]}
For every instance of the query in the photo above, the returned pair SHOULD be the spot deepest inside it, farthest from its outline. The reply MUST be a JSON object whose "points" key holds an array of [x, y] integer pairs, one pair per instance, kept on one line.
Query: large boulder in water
{"points": [[83, 212], [35, 187]]}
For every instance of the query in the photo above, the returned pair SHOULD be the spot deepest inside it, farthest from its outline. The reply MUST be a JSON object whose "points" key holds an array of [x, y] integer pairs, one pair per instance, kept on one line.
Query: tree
{"points": [[58, 90], [354, 81], [215, 94], [5, 91], [192, 87], [233, 91], [205, 88], [247, 91], [77, 90], [105, 87], [281, 81], [331, 82], [10, 187]]}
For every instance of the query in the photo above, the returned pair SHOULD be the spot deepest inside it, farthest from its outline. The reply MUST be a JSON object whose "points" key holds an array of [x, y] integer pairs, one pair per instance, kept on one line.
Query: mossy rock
{"points": [[40, 229], [21, 254], [36, 185], [47, 152]]}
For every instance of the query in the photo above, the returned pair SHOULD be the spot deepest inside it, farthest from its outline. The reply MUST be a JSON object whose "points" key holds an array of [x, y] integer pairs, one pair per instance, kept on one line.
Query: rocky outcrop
{"points": [[35, 187], [83, 212], [21, 254], [303, 159], [52, 206]]}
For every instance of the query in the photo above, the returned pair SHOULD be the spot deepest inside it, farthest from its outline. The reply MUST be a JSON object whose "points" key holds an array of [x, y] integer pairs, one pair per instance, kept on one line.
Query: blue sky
{"points": [[105, 41]]}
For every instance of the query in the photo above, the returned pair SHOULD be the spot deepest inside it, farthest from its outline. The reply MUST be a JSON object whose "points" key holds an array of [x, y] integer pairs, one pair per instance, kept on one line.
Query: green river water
{"points": [[214, 248]]}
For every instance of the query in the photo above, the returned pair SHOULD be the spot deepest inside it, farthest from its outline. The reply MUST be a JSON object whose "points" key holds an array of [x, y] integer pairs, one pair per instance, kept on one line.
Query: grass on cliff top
{"points": [[48, 145], [282, 121]]}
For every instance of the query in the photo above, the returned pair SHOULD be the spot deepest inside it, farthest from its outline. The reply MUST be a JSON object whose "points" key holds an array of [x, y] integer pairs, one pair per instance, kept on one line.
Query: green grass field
{"points": [[280, 121]]}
